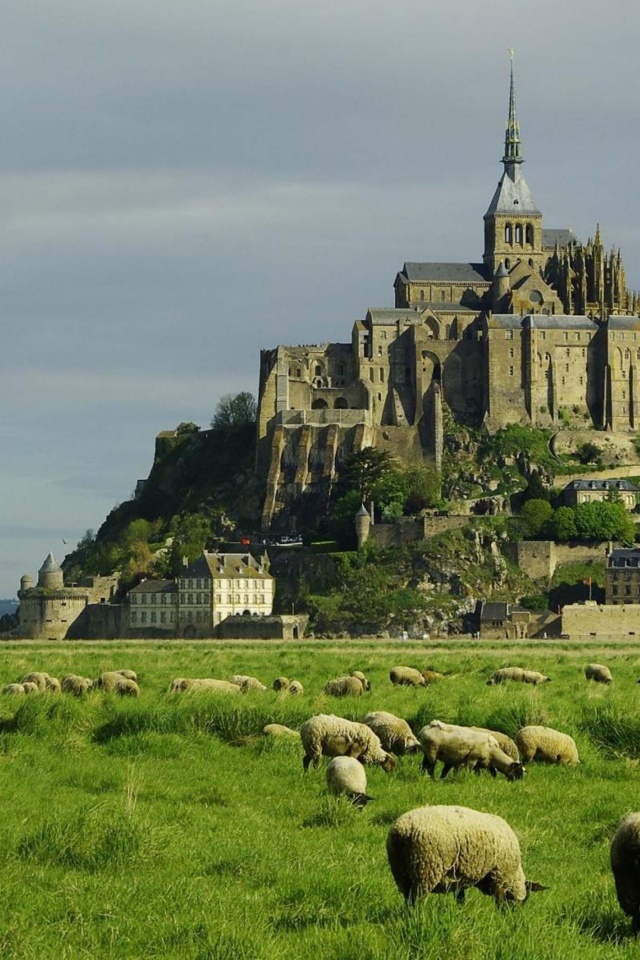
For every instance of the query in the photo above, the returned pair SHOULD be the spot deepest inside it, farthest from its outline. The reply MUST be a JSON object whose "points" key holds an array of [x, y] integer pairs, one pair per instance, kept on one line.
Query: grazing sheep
{"points": [[625, 864], [107, 681], [336, 737], [279, 730], [247, 683], [40, 680], [346, 776], [53, 685], [295, 688], [344, 687], [407, 676], [280, 683], [76, 685], [432, 675], [518, 675], [13, 688], [395, 734], [546, 745], [127, 688], [189, 685], [128, 674], [463, 747], [443, 849], [504, 742], [598, 673], [31, 687], [359, 675]]}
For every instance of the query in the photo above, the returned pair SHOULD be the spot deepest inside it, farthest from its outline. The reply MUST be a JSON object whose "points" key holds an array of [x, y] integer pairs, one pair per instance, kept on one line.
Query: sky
{"points": [[183, 184]]}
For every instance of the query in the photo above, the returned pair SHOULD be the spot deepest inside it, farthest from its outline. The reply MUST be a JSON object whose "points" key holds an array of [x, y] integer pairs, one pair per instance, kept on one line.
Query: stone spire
{"points": [[512, 151]]}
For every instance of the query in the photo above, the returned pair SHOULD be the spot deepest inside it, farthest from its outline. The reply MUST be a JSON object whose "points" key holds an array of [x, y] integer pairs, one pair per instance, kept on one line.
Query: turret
{"points": [[363, 525], [26, 582], [50, 576], [501, 288]]}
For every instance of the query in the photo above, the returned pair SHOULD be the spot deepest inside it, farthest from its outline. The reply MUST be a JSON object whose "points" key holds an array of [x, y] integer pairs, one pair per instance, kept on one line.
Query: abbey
{"points": [[542, 331]]}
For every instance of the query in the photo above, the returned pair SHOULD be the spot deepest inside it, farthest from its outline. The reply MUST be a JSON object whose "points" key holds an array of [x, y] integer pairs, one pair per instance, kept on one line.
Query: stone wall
{"points": [[263, 628], [580, 552], [49, 616], [592, 620], [99, 621], [410, 529], [536, 558]]}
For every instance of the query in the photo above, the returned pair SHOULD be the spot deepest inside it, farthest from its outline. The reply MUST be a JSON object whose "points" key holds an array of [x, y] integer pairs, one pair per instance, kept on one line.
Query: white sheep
{"points": [[432, 675], [30, 686], [407, 676], [463, 747], [114, 681], [598, 673], [331, 736], [40, 679], [344, 687], [247, 683], [279, 730], [280, 683], [347, 777], [535, 677], [128, 674], [295, 688], [366, 683], [13, 688], [504, 742], [518, 675], [394, 733], [444, 849], [53, 685], [546, 745], [625, 864], [194, 684], [76, 685]]}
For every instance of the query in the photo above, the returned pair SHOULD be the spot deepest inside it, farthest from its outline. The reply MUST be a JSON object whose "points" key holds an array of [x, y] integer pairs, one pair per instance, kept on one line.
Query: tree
{"points": [[186, 427], [535, 516], [604, 521], [535, 489], [424, 488], [363, 470], [563, 526], [235, 410]]}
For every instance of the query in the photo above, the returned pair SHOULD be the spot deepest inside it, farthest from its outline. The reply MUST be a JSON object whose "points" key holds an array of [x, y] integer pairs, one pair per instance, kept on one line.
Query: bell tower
{"points": [[513, 223]]}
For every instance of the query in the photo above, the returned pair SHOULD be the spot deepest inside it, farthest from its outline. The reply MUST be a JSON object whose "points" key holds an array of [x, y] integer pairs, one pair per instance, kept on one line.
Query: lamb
{"points": [[40, 679], [546, 745], [395, 734], [463, 747], [344, 687], [13, 688], [280, 683], [346, 776], [407, 676], [127, 688], [295, 688], [431, 675], [504, 742], [359, 675], [186, 684], [336, 737], [279, 730], [598, 673], [444, 849], [76, 685], [247, 683], [114, 681], [30, 687], [625, 864], [53, 685], [519, 675]]}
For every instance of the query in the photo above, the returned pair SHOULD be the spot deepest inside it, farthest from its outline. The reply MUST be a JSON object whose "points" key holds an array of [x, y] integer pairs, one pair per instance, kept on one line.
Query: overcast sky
{"points": [[182, 184]]}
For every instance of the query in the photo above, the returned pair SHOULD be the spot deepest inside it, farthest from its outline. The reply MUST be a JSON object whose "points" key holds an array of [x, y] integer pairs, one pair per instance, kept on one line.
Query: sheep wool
{"points": [[625, 864], [407, 676], [31, 687], [331, 736], [395, 734], [464, 747], [546, 746], [128, 674], [366, 684], [517, 674], [344, 687], [598, 673], [295, 688], [347, 777], [13, 688], [194, 684], [444, 849], [40, 679], [432, 675], [504, 742], [279, 730], [247, 683], [75, 685], [280, 683]]}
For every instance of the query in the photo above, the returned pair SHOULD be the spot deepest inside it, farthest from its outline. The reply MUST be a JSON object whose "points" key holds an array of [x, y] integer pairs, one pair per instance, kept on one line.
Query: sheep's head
{"points": [[389, 763], [516, 771]]}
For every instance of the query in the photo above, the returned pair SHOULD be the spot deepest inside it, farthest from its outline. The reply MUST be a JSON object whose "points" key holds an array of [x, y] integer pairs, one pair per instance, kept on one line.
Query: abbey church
{"points": [[541, 331]]}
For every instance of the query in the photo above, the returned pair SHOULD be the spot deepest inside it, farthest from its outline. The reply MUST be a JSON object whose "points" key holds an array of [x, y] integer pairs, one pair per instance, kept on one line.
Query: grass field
{"points": [[166, 827]]}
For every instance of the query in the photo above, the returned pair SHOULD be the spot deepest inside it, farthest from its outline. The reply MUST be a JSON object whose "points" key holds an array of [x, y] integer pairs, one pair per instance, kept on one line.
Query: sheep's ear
{"points": [[533, 887]]}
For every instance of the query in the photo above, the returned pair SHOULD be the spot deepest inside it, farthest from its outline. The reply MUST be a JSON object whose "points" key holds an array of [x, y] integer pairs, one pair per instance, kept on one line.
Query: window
{"points": [[563, 381], [172, 616], [133, 616], [383, 335], [566, 366], [381, 375], [422, 294], [622, 336], [163, 616], [510, 371], [565, 335], [379, 349], [568, 352], [507, 233], [508, 334], [529, 238], [577, 336], [543, 334], [581, 381], [143, 616], [443, 296], [512, 352], [154, 616], [519, 233]]}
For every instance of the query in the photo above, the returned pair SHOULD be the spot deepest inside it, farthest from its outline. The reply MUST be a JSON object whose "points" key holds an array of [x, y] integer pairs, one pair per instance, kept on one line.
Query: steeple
{"points": [[512, 152]]}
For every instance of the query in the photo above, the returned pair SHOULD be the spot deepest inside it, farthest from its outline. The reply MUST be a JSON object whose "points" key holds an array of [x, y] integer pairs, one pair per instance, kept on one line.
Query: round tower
{"points": [[501, 287], [363, 525], [50, 576], [26, 582]]}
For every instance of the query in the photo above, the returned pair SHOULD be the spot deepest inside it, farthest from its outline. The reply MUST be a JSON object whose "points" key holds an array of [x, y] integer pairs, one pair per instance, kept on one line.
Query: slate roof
{"points": [[446, 272], [226, 565], [560, 321], [624, 323], [624, 558], [610, 484], [494, 611], [155, 586], [512, 196], [564, 237]]}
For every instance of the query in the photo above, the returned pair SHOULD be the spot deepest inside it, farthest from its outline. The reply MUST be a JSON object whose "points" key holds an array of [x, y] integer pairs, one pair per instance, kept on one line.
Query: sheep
{"points": [[295, 688], [53, 685], [359, 675], [13, 688], [443, 849], [187, 684], [127, 688], [346, 776], [40, 679], [505, 743], [407, 676], [519, 675], [247, 683], [598, 673], [336, 737], [31, 687], [465, 747], [279, 730], [546, 745], [114, 681], [76, 685], [344, 687], [395, 734], [431, 675], [128, 675], [625, 864], [280, 683]]}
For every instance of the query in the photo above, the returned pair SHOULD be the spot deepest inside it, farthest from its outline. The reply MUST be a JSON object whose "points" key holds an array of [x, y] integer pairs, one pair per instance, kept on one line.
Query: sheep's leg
{"points": [[492, 771], [460, 895], [445, 770], [430, 767], [306, 760]]}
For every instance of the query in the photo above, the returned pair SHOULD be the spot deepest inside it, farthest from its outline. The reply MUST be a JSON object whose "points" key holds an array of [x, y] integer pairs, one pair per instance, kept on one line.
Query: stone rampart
{"points": [[591, 620]]}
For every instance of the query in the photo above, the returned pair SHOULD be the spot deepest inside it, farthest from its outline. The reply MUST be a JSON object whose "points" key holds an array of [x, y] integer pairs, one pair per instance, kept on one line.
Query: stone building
{"points": [[622, 576], [542, 330], [154, 604], [50, 610], [590, 491]]}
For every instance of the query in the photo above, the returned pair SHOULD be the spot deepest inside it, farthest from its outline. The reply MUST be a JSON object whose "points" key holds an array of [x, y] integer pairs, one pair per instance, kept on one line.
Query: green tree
{"points": [[363, 470], [235, 410], [342, 524], [604, 521], [563, 526], [535, 516], [424, 488], [535, 488]]}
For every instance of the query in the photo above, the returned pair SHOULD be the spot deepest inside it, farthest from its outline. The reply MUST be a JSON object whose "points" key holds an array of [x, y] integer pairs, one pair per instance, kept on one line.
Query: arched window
{"points": [[318, 371], [319, 404], [519, 233], [422, 294], [341, 404], [443, 295], [529, 235], [507, 233], [507, 263]]}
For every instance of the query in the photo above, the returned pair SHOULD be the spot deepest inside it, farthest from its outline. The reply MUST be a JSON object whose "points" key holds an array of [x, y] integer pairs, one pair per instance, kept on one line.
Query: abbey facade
{"points": [[543, 331]]}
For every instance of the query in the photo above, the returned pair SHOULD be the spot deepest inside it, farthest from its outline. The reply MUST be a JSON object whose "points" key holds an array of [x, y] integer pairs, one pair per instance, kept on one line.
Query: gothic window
{"points": [[442, 295], [381, 375], [519, 233], [379, 396], [507, 262], [422, 294], [507, 233], [318, 371], [529, 238], [371, 374]]}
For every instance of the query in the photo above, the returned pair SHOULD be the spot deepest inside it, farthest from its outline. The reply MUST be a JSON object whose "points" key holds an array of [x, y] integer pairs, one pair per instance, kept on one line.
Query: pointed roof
{"points": [[50, 565], [512, 195]]}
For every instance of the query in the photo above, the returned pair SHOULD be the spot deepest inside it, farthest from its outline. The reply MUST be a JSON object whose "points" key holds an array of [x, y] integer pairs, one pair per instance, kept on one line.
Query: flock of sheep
{"points": [[431, 849]]}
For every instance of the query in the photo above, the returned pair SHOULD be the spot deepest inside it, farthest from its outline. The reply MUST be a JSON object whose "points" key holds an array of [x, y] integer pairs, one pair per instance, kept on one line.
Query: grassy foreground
{"points": [[168, 828]]}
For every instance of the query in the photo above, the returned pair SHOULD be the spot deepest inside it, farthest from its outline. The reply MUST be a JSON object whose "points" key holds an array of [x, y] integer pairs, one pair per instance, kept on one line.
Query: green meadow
{"points": [[168, 827]]}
